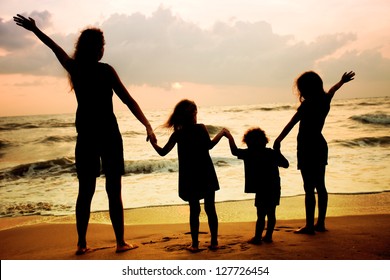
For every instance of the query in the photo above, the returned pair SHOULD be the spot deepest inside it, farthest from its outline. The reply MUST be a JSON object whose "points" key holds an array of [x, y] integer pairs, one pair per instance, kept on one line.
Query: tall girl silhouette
{"points": [[312, 148]]}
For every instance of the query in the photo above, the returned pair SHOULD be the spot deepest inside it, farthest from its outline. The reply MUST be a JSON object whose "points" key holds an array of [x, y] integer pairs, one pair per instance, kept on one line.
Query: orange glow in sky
{"points": [[214, 52]]}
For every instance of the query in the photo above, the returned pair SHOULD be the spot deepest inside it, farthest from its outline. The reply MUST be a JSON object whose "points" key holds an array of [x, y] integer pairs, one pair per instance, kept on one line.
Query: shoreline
{"points": [[357, 224], [291, 207]]}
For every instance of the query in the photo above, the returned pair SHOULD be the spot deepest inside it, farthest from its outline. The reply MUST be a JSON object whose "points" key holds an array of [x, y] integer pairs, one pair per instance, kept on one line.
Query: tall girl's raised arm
{"points": [[29, 24], [347, 76]]}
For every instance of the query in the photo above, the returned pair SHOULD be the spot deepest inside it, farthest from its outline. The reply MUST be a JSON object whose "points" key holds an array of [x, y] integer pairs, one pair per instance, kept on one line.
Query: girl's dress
{"points": [[197, 177]]}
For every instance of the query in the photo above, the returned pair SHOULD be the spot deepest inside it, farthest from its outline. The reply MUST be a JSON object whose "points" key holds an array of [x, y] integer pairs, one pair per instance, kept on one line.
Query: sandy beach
{"points": [[358, 229]]}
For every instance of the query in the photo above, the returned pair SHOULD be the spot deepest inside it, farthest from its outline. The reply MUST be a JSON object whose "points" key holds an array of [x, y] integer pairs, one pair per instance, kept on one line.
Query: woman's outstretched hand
{"points": [[27, 23]]}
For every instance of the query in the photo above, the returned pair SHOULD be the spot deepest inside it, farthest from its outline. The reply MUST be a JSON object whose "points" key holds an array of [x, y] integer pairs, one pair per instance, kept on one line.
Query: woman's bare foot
{"points": [[255, 241]]}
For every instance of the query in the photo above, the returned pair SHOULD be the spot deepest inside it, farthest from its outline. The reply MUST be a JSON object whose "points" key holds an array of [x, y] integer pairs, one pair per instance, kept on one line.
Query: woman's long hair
{"points": [[89, 48], [309, 85], [184, 114]]}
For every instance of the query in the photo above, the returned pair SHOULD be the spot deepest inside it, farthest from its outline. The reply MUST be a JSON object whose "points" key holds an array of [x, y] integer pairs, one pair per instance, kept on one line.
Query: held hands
{"points": [[276, 145], [28, 24], [150, 135], [152, 138], [348, 77], [225, 132]]}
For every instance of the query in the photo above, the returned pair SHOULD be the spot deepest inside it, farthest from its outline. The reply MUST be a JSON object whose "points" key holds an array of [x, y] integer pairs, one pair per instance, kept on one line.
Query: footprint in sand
{"points": [[162, 240], [200, 232], [284, 228], [178, 247], [91, 250]]}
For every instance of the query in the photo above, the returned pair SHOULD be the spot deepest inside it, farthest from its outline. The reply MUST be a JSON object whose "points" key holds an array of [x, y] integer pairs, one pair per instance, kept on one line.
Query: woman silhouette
{"points": [[98, 135]]}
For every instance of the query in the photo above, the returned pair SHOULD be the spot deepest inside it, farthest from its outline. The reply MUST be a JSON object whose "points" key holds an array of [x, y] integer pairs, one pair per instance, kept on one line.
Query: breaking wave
{"points": [[261, 108], [39, 169], [383, 141], [61, 166], [33, 208], [34, 125], [377, 118]]}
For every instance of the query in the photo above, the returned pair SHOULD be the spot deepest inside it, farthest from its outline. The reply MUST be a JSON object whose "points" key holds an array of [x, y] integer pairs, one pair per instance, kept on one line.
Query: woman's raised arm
{"points": [[29, 24]]}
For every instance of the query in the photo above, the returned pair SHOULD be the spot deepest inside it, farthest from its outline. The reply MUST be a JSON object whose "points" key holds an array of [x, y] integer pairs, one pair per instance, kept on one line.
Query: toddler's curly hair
{"points": [[255, 136]]}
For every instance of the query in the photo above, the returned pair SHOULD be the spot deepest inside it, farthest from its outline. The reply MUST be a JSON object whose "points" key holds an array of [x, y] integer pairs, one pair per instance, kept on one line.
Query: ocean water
{"points": [[37, 173]]}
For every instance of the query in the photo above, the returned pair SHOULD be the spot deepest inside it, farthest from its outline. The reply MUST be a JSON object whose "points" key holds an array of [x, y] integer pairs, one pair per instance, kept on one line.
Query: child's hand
{"points": [[347, 77], [150, 134], [226, 132]]}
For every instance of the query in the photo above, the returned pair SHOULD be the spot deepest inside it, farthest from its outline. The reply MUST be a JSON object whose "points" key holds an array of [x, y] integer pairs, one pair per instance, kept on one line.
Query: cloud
{"points": [[13, 37], [24, 53], [370, 65], [163, 49]]}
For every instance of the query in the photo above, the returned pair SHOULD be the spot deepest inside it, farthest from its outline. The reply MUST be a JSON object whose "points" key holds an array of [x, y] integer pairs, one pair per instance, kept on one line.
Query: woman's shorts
{"points": [[99, 154]]}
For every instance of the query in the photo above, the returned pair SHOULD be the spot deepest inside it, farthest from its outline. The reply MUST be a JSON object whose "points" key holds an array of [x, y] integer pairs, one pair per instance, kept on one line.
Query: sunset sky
{"points": [[216, 52]]}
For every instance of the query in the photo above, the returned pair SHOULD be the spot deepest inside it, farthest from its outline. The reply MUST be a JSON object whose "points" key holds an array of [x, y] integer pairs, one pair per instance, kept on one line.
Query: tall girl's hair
{"points": [[90, 46], [183, 114], [309, 85]]}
